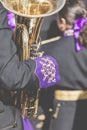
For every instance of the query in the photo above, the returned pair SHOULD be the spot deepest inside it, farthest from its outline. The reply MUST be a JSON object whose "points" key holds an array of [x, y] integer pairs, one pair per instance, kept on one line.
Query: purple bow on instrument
{"points": [[11, 20], [77, 28]]}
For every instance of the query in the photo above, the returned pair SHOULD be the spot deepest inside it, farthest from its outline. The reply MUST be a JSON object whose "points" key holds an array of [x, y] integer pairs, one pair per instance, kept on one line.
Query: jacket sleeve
{"points": [[13, 73]]}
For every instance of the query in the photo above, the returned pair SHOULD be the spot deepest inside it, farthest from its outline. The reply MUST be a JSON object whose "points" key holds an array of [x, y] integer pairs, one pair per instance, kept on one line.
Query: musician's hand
{"points": [[34, 51]]}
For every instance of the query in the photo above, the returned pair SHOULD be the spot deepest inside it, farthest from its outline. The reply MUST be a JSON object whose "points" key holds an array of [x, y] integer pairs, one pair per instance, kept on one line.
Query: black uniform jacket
{"points": [[72, 64], [10, 117], [15, 74]]}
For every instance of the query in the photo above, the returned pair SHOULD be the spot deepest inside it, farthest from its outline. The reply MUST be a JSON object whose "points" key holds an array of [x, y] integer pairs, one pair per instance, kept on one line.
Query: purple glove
{"points": [[47, 71]]}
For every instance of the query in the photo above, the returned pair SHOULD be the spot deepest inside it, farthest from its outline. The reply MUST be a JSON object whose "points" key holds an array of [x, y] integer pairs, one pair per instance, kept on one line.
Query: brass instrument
{"points": [[29, 16]]}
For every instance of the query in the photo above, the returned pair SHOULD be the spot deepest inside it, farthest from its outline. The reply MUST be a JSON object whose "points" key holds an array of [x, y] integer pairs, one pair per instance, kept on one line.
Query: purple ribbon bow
{"points": [[11, 20], [77, 28]]}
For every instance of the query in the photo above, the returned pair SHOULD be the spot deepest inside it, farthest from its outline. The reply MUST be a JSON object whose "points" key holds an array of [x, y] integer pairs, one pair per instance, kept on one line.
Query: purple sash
{"points": [[27, 124]]}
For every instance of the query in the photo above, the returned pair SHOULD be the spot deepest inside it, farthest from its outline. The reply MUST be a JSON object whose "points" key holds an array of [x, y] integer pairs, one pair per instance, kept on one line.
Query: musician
{"points": [[70, 95], [15, 75]]}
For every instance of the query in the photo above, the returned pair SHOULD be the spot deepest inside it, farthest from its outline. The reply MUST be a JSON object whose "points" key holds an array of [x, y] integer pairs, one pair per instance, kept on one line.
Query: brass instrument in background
{"points": [[29, 15]]}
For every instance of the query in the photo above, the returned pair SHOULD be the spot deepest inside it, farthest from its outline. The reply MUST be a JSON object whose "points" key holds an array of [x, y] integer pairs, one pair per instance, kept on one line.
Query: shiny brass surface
{"points": [[33, 8], [70, 95]]}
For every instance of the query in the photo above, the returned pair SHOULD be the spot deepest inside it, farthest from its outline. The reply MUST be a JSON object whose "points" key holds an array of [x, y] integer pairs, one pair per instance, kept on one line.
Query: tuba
{"points": [[29, 16]]}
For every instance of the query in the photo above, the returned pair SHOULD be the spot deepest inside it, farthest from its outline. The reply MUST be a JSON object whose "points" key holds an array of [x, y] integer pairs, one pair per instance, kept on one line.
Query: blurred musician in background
{"points": [[57, 117]]}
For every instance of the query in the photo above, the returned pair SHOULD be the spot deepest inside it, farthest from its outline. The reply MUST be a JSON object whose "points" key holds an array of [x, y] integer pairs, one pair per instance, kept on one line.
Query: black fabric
{"points": [[49, 28], [3, 20], [72, 64], [10, 118], [85, 3], [71, 116]]}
